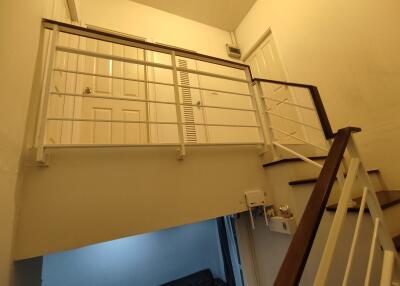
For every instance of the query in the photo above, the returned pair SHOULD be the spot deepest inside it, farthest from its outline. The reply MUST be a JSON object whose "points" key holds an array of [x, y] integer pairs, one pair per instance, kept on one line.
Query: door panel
{"points": [[102, 131], [118, 109], [131, 131], [265, 63]]}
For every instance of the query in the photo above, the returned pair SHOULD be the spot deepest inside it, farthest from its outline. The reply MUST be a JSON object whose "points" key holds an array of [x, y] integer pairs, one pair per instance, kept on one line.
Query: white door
{"points": [[193, 131], [265, 63], [224, 134], [120, 106]]}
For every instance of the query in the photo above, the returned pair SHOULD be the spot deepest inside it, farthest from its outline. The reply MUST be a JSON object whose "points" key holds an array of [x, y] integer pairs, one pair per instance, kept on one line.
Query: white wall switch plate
{"points": [[282, 224]]}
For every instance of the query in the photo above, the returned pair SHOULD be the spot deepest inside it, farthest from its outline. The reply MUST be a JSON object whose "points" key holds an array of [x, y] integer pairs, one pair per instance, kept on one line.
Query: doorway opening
{"points": [[197, 252]]}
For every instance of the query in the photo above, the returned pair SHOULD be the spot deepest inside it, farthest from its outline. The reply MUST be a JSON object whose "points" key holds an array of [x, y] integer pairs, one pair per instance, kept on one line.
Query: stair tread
{"points": [[396, 241], [294, 159], [314, 180], [386, 199]]}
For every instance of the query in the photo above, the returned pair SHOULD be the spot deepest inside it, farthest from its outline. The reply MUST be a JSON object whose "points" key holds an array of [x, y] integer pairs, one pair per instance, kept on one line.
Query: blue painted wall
{"points": [[144, 260]]}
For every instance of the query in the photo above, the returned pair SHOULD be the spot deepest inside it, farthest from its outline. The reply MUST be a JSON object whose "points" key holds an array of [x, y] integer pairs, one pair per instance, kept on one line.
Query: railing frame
{"points": [[295, 260], [45, 93], [182, 150], [316, 98], [294, 263], [254, 85]]}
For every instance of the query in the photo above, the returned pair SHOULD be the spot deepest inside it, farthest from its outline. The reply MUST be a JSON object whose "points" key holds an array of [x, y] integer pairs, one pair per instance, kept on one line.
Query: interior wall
{"points": [[269, 248], [148, 259], [104, 194], [350, 51], [155, 25], [19, 42]]}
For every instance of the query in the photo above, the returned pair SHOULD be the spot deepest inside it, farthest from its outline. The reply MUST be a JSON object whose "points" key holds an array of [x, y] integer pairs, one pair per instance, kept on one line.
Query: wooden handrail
{"points": [[319, 106], [296, 257]]}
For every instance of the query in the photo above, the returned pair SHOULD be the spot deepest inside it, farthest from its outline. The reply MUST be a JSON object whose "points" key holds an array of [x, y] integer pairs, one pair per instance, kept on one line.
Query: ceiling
{"points": [[223, 14]]}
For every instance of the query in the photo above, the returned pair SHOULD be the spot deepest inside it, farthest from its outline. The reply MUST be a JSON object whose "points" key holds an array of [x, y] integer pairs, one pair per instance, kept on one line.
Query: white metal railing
{"points": [[380, 234], [250, 108], [286, 107], [48, 118]]}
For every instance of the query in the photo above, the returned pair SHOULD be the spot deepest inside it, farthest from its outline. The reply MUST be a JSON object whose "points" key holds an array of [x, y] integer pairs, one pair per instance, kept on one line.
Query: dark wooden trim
{"points": [[396, 241], [294, 84], [296, 257], [226, 255], [77, 30], [353, 129], [303, 182], [323, 117], [295, 159], [386, 200], [314, 180], [316, 97]]}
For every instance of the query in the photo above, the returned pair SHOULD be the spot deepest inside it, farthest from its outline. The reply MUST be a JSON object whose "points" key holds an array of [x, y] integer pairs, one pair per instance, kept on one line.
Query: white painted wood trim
{"points": [[73, 10], [372, 252], [355, 237], [387, 268]]}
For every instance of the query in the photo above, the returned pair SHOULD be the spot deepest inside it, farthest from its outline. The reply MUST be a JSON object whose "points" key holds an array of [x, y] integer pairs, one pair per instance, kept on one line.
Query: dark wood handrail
{"points": [[319, 106], [296, 257]]}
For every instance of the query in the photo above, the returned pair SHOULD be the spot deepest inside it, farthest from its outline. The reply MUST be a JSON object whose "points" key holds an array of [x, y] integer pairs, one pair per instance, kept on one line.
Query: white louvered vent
{"points": [[188, 115]]}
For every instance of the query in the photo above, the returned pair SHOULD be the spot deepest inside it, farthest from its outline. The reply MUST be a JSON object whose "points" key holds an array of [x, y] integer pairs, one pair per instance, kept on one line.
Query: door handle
{"points": [[87, 90]]}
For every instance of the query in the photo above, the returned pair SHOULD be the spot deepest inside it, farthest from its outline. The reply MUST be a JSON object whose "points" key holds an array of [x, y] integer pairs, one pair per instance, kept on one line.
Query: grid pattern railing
{"points": [[294, 115], [102, 89], [182, 100]]}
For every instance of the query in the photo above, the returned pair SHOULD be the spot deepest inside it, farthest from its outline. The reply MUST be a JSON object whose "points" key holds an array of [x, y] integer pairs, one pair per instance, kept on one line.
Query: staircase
{"points": [[78, 192], [388, 200], [348, 186]]}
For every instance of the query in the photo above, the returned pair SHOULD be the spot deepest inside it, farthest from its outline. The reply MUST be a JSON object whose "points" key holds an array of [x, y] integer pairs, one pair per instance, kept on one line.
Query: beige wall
{"points": [[92, 195], [349, 49], [20, 44], [19, 38], [270, 247], [154, 25]]}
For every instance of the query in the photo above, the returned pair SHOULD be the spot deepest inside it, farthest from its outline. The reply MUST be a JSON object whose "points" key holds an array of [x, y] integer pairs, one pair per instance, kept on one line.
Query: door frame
{"points": [[255, 46], [73, 10]]}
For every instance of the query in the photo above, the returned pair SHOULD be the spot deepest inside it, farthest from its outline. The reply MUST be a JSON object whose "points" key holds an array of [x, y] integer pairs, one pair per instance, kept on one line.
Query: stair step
{"points": [[396, 241], [314, 180], [294, 159], [386, 199]]}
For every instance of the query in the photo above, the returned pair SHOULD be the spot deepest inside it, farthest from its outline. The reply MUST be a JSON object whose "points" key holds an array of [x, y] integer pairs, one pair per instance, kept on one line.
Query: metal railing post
{"points": [[182, 150], [387, 268], [373, 204], [338, 220], [265, 120], [45, 93]]}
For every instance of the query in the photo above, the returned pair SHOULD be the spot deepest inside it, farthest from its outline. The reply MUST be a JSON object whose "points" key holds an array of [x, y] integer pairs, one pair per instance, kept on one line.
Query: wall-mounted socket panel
{"points": [[282, 224]]}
